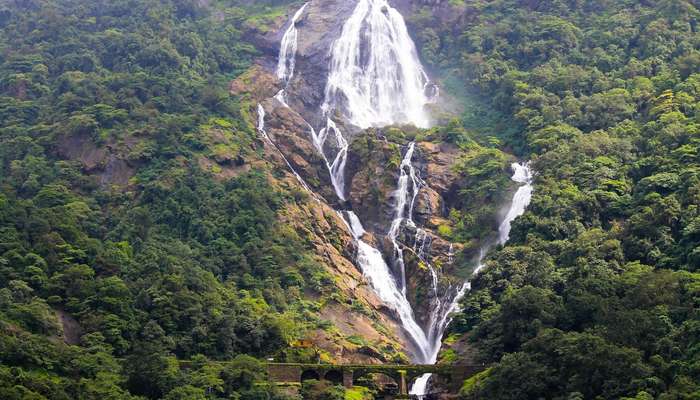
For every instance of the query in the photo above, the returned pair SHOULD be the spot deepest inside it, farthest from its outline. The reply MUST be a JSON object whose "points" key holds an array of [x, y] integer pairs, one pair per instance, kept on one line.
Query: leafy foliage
{"points": [[603, 265], [119, 253]]}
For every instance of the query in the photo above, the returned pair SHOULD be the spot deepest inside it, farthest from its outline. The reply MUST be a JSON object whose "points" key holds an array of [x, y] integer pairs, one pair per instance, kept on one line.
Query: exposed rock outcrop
{"points": [[105, 163], [371, 174], [318, 28]]}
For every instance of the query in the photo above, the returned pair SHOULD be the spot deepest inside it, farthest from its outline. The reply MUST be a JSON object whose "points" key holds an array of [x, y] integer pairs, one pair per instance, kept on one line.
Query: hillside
{"points": [[172, 195]]}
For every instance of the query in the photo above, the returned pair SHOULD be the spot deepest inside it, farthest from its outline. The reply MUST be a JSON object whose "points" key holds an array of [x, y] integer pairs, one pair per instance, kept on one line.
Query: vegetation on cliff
{"points": [[140, 225], [596, 294], [120, 251]]}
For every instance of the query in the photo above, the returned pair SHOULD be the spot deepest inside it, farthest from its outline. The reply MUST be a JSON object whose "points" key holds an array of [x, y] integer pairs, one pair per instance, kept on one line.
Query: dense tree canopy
{"points": [[152, 264], [123, 252], [596, 294]]}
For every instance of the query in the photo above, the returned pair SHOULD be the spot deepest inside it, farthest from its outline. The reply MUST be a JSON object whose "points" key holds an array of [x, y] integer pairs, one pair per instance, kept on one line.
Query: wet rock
{"points": [[428, 204], [292, 135], [318, 28], [371, 173], [439, 160], [334, 246]]}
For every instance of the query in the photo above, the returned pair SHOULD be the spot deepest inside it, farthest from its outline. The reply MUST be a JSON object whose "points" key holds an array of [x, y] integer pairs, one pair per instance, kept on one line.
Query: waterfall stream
{"points": [[376, 79], [377, 272], [263, 133], [408, 186], [286, 61], [337, 168], [522, 174]]}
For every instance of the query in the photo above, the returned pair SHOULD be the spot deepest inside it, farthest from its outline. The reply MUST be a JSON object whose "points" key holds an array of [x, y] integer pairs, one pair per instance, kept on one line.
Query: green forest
{"points": [[596, 294], [130, 270]]}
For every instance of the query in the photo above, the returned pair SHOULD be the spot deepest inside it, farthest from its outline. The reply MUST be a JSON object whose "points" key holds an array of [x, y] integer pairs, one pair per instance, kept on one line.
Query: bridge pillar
{"points": [[403, 385], [347, 378]]}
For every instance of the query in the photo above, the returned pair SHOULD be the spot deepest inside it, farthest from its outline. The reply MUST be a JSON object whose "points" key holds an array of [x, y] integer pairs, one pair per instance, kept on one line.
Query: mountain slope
{"points": [[144, 220], [603, 266]]}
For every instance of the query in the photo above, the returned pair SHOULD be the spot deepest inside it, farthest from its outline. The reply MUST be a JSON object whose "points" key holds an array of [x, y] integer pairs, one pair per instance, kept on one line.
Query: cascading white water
{"points": [[422, 250], [375, 268], [386, 85], [408, 187], [522, 174], [337, 168], [288, 48], [421, 247], [261, 123], [376, 78], [422, 243], [286, 63], [286, 60], [521, 199], [408, 183], [377, 272]]}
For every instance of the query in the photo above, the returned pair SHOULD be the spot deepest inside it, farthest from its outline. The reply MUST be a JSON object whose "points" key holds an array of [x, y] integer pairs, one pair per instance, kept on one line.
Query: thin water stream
{"points": [[522, 174]]}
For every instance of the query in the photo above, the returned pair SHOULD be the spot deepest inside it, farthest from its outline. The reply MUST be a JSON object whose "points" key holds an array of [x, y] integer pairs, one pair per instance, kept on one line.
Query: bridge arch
{"points": [[310, 374], [383, 381], [334, 376], [449, 376]]}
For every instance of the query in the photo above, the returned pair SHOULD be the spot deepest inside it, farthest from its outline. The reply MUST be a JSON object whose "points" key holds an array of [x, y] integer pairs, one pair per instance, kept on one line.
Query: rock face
{"points": [[257, 83], [318, 28], [106, 164], [371, 174], [292, 135], [355, 309]]}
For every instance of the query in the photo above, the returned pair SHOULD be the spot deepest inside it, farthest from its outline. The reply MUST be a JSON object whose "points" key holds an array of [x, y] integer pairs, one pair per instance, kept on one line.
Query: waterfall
{"points": [[286, 61], [522, 174], [409, 183], [377, 272], [521, 199], [261, 123], [375, 268], [376, 78], [385, 86], [337, 168], [421, 244]]}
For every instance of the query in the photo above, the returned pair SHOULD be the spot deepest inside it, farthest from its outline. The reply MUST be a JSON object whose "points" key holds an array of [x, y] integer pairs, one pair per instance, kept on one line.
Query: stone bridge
{"points": [[450, 376]]}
